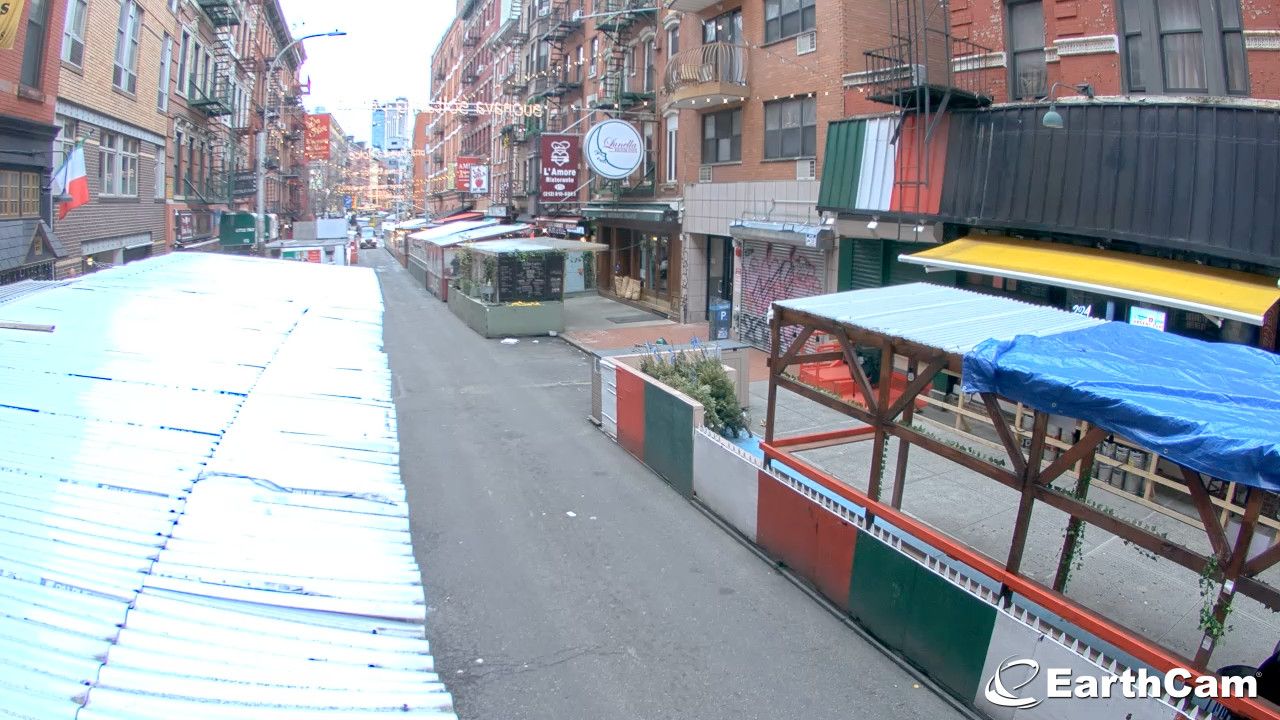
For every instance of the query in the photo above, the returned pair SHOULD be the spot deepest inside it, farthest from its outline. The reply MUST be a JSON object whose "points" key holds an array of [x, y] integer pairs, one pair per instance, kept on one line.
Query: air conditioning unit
{"points": [[545, 10], [591, 71], [807, 42], [806, 169], [577, 15], [704, 173]]}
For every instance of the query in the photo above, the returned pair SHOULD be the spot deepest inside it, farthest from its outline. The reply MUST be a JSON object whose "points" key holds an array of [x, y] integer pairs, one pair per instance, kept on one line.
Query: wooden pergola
{"points": [[1026, 472]]}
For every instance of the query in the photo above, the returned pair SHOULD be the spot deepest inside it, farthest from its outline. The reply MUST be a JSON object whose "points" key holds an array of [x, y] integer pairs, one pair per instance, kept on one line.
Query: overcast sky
{"points": [[386, 53]]}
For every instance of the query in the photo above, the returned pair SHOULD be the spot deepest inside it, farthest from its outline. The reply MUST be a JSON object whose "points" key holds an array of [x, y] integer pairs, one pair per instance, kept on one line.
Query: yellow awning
{"points": [[1221, 293]]}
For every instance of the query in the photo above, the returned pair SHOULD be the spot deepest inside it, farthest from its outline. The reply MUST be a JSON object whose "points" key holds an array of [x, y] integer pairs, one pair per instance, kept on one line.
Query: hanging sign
{"points": [[315, 138], [10, 12], [462, 172], [453, 107], [559, 179], [479, 180], [614, 149]]}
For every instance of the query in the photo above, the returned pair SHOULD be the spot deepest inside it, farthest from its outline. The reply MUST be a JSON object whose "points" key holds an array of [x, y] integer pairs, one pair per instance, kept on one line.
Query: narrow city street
{"points": [[564, 580]]}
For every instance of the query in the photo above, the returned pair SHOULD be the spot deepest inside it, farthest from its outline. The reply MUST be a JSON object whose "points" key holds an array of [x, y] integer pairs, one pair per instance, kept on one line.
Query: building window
{"points": [[726, 28], [673, 40], [33, 50], [1026, 49], [73, 32], [787, 18], [1184, 46], [649, 60], [595, 53], [183, 52], [166, 60], [577, 67], [673, 148], [791, 128], [173, 6], [125, 76], [722, 137], [19, 194], [118, 165]]}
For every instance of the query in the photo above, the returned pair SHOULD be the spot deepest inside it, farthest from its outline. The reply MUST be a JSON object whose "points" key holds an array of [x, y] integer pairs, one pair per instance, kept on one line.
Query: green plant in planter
{"points": [[466, 261], [704, 379], [490, 266]]}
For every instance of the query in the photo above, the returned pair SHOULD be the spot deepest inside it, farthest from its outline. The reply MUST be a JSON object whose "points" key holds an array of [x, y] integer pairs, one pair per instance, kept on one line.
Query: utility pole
{"points": [[259, 234]]}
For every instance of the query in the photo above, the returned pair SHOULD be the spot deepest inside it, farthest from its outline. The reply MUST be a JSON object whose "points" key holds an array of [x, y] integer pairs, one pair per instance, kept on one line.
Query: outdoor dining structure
{"points": [[1210, 411]]}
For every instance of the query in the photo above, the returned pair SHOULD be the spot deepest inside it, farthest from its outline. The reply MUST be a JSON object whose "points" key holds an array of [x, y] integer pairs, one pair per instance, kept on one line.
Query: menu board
{"points": [[527, 277]]}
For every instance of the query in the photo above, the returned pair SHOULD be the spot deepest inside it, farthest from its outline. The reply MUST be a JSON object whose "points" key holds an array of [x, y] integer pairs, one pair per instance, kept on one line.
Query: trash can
{"points": [[719, 320]]}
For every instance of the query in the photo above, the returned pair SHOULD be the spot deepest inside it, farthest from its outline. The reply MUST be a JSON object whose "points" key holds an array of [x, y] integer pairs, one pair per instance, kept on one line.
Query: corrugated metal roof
{"points": [[13, 291], [947, 318], [514, 245], [432, 234], [204, 517]]}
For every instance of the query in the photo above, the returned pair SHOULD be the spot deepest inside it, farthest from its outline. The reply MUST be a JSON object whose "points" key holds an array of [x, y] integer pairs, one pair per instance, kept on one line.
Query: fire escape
{"points": [[216, 101], [628, 85], [511, 83], [924, 72], [553, 79]]}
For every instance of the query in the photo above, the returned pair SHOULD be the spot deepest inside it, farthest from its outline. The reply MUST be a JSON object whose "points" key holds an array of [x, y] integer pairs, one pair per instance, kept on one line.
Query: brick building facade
{"points": [[28, 91]]}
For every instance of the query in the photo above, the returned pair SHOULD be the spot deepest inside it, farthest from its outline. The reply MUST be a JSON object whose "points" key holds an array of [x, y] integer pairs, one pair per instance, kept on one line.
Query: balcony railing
{"points": [[710, 73], [213, 101], [223, 13], [933, 67]]}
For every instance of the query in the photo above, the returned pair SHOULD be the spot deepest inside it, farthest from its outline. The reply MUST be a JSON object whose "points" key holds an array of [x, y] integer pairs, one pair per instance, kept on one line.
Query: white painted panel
{"points": [[875, 177], [609, 398], [726, 480]]}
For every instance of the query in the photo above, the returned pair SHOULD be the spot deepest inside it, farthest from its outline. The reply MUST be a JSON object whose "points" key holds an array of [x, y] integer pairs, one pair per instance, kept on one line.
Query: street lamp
{"points": [[259, 234], [1052, 118]]}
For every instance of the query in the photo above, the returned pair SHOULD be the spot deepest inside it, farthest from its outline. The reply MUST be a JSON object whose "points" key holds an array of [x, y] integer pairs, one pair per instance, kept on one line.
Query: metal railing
{"points": [[935, 61], [711, 63]]}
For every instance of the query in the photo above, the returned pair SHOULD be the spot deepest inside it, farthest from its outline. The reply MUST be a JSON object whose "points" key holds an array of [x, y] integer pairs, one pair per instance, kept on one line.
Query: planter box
{"points": [[507, 320], [656, 423]]}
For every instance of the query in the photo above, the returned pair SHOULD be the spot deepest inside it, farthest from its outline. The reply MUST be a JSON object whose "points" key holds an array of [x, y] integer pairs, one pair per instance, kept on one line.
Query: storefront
{"points": [[28, 245], [110, 252], [643, 260], [1207, 303], [776, 261], [195, 227]]}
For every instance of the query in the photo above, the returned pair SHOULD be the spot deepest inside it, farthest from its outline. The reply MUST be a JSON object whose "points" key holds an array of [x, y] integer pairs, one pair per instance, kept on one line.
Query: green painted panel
{"points": [[950, 631], [900, 273], [866, 264], [881, 589], [668, 437], [841, 163]]}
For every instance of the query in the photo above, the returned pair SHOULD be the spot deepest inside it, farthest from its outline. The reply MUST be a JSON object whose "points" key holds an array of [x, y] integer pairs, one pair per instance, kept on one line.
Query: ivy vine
{"points": [[1210, 590]]}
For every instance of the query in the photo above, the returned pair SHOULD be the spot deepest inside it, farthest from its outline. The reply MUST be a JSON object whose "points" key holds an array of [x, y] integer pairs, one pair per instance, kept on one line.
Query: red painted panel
{"points": [[809, 539], [834, 564], [631, 411], [913, 192], [785, 528]]}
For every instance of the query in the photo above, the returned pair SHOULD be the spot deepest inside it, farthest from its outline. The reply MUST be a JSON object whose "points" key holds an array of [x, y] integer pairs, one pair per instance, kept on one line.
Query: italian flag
{"points": [[72, 180]]}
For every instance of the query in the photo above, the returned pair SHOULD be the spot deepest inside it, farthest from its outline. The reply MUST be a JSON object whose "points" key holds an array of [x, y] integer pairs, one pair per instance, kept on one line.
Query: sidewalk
{"points": [[594, 323], [1155, 598]]}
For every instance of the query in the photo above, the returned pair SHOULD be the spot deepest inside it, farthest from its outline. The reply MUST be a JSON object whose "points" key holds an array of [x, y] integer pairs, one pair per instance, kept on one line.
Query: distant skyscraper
{"points": [[379, 139]]}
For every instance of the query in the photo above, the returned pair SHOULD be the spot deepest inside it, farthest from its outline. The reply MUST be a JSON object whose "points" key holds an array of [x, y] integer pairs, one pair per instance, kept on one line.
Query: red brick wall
{"points": [[37, 106]]}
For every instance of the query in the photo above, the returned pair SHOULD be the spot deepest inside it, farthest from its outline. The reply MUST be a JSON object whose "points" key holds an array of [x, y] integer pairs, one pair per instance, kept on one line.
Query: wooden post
{"points": [[1075, 525], [882, 421], [775, 368], [1253, 507], [1029, 478], [900, 467]]}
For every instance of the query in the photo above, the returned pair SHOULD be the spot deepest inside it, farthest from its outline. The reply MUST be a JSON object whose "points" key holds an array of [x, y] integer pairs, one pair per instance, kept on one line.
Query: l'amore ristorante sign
{"points": [[484, 108]]}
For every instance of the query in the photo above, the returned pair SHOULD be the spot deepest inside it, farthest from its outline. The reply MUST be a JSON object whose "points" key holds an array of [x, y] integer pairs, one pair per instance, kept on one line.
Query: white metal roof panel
{"points": [[201, 513], [435, 235], [948, 318]]}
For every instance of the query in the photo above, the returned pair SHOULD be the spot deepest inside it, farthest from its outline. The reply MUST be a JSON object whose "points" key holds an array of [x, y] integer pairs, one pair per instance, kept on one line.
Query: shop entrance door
{"points": [[719, 271]]}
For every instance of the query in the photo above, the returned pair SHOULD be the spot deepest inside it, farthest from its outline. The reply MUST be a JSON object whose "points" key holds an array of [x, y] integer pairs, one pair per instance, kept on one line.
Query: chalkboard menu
{"points": [[530, 277]]}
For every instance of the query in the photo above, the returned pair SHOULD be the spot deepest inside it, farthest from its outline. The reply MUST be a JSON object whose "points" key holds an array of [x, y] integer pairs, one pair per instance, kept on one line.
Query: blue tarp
{"points": [[1212, 407]]}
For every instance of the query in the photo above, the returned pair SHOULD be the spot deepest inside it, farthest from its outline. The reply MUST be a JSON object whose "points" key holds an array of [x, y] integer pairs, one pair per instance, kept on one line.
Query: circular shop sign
{"points": [[614, 149]]}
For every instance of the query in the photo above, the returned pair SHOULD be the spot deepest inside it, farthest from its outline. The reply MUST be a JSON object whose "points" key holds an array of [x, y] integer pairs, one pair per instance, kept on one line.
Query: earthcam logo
{"points": [[1005, 687]]}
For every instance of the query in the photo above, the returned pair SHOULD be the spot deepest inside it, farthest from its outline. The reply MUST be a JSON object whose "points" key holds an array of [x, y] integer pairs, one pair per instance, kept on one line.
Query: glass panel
{"points": [[790, 24], [772, 30], [809, 115], [737, 121], [1184, 61], [1134, 45], [791, 142], [1229, 11], [809, 145], [735, 148], [772, 143], [1178, 15], [791, 114], [1131, 16], [808, 19], [724, 150], [1029, 74], [1237, 74], [771, 9], [1026, 22], [772, 113], [708, 126]]}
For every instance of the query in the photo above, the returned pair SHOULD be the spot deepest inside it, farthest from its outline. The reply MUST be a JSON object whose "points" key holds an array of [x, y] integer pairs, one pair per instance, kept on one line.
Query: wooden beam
{"points": [[1084, 447], [1074, 525], [1026, 503], [913, 388], [1007, 438], [956, 456], [817, 357], [904, 447], [775, 372], [33, 327], [821, 398], [882, 437], [855, 369], [1252, 508], [1263, 560], [796, 346], [1208, 515]]}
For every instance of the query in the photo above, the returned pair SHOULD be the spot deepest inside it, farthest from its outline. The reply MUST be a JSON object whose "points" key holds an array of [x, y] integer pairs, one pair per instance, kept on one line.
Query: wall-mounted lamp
{"points": [[1052, 118], [873, 225], [919, 229]]}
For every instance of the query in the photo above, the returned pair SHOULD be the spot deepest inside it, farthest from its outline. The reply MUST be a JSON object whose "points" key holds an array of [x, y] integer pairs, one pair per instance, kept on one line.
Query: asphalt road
{"points": [[565, 581]]}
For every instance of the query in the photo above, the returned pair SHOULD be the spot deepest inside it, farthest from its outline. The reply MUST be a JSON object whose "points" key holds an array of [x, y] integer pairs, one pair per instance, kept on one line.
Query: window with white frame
{"points": [[595, 53], [33, 50], [183, 52], [787, 18], [73, 32], [791, 128], [648, 52], [166, 61], [118, 165], [673, 40], [673, 147], [158, 176], [125, 75]]}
